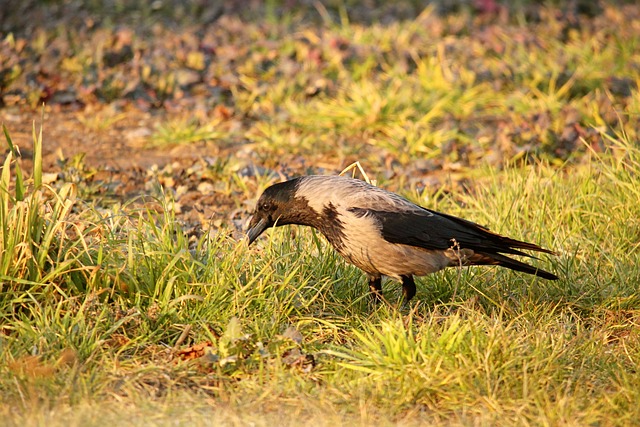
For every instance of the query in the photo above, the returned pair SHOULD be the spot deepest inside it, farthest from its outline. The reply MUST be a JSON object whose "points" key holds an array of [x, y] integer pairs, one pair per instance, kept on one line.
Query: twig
{"points": [[183, 336]]}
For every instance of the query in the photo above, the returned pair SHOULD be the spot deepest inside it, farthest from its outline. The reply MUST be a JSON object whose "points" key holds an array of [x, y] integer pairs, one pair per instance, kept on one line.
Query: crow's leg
{"points": [[408, 288], [375, 286]]}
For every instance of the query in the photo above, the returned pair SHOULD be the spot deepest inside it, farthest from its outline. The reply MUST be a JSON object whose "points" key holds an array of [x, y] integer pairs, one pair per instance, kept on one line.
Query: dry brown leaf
{"points": [[195, 351]]}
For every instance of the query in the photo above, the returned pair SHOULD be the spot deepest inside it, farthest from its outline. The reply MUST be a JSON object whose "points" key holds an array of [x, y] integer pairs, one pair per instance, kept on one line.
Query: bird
{"points": [[384, 234]]}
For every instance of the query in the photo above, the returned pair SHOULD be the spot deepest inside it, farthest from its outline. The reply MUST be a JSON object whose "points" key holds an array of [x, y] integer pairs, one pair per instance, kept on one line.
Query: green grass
{"points": [[184, 131], [96, 299], [90, 329]]}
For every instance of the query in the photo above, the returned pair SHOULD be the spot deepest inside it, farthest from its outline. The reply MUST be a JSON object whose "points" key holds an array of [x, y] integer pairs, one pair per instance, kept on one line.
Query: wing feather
{"points": [[433, 230]]}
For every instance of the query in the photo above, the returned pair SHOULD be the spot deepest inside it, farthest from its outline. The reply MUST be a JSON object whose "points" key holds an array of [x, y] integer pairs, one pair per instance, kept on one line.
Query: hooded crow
{"points": [[384, 234]]}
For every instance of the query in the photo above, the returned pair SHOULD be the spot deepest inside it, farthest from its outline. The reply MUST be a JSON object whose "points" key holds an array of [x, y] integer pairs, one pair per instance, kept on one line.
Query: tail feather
{"points": [[504, 261], [512, 243]]}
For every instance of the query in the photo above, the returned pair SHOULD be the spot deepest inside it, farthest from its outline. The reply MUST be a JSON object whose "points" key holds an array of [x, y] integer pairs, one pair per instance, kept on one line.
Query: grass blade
{"points": [[37, 155]]}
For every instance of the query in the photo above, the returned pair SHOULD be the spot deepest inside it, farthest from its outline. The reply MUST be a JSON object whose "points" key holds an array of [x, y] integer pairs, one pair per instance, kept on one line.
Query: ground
{"points": [[128, 295], [166, 89]]}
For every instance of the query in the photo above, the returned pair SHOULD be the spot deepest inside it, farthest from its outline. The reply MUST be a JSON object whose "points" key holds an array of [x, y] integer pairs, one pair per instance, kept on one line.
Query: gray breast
{"points": [[364, 247]]}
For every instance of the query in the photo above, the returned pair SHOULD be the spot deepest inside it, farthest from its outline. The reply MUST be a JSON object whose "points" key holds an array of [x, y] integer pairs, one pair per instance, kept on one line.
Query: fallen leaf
{"points": [[195, 351]]}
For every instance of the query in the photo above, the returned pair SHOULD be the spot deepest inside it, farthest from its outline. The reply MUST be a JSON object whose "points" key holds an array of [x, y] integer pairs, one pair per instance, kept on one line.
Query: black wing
{"points": [[437, 231]]}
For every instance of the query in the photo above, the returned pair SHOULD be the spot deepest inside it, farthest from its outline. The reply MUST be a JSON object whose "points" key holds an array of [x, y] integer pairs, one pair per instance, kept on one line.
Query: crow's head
{"points": [[277, 206]]}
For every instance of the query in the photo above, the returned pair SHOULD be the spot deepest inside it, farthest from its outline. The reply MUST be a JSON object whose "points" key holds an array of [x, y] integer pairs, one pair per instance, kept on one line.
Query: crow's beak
{"points": [[256, 228]]}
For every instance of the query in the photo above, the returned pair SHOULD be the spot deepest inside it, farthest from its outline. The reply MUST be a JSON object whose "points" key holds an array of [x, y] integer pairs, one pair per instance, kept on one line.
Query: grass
{"points": [[89, 331], [97, 301], [183, 131]]}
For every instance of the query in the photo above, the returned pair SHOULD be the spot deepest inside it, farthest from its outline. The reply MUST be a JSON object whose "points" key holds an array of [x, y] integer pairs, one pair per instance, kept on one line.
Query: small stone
{"points": [[205, 187]]}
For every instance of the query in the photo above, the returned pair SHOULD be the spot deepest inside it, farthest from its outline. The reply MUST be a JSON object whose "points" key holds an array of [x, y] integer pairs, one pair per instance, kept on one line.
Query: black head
{"points": [[274, 207]]}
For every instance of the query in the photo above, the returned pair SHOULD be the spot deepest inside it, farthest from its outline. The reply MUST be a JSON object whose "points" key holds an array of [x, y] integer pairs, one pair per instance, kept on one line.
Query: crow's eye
{"points": [[266, 206]]}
